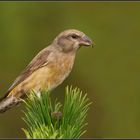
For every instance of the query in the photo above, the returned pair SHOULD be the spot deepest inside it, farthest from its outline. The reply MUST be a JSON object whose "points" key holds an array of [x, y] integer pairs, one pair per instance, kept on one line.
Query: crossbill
{"points": [[48, 69]]}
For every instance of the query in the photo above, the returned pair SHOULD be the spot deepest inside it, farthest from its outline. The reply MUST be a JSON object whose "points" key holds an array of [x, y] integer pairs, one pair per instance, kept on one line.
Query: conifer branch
{"points": [[45, 120]]}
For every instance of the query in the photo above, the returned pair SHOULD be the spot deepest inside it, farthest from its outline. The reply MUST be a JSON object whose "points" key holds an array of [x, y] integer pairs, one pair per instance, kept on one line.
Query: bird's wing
{"points": [[39, 61]]}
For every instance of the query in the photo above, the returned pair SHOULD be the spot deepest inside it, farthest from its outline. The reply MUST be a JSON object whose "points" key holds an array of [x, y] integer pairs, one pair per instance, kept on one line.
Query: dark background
{"points": [[109, 73]]}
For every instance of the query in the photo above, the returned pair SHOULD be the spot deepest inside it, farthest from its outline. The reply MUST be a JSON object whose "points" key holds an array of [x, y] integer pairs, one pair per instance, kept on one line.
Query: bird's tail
{"points": [[8, 102]]}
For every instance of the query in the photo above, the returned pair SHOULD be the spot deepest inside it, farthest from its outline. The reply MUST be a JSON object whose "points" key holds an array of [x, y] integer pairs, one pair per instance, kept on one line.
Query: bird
{"points": [[48, 69]]}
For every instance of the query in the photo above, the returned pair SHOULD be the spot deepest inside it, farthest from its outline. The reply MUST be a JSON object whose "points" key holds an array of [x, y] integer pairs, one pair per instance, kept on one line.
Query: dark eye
{"points": [[74, 36]]}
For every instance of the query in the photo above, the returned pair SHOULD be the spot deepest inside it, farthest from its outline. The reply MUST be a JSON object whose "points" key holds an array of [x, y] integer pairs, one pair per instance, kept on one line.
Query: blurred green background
{"points": [[109, 73]]}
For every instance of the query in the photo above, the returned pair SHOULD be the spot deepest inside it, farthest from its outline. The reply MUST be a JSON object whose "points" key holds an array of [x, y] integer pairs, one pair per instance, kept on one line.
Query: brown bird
{"points": [[48, 69]]}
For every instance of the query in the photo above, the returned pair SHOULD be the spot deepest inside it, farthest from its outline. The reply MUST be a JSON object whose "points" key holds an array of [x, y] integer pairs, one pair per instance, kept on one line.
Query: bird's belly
{"points": [[55, 76], [47, 77]]}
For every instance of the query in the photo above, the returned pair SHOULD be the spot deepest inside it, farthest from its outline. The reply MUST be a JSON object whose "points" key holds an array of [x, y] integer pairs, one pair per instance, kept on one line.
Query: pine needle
{"points": [[45, 120]]}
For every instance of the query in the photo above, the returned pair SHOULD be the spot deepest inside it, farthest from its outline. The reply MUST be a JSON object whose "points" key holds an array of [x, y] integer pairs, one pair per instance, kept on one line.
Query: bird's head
{"points": [[71, 40]]}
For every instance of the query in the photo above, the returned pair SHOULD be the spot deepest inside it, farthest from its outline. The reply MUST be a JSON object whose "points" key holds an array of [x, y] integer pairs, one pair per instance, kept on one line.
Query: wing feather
{"points": [[39, 61]]}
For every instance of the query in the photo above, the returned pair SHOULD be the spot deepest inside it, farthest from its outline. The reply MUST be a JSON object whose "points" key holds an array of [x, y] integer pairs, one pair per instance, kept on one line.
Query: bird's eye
{"points": [[74, 36]]}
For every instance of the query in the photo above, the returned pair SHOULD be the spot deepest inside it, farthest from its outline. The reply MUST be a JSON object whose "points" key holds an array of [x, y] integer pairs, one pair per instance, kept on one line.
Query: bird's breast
{"points": [[59, 71], [47, 77]]}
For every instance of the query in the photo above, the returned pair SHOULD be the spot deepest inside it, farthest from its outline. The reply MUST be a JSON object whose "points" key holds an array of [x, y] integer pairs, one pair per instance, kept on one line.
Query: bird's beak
{"points": [[86, 41]]}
